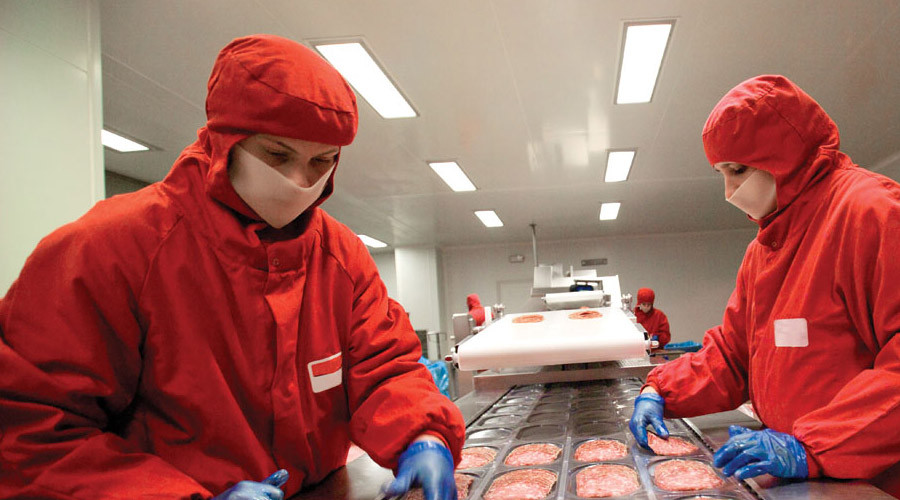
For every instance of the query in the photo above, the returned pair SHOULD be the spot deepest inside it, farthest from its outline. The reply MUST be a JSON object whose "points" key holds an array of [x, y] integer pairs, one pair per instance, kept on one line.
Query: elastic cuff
{"points": [[812, 465], [436, 435]]}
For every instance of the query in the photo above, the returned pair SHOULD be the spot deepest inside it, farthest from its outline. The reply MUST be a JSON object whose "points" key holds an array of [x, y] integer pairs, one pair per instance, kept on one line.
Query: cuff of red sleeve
{"points": [[812, 465], [436, 435]]}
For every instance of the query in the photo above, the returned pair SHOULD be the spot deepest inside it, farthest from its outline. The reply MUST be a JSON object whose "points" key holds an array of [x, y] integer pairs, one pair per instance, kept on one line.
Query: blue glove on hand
{"points": [[251, 490], [648, 410], [428, 464], [750, 453]]}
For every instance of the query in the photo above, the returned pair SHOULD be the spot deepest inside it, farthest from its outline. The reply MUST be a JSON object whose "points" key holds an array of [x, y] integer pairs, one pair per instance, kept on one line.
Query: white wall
{"points": [[692, 274], [419, 287], [50, 121], [384, 261]]}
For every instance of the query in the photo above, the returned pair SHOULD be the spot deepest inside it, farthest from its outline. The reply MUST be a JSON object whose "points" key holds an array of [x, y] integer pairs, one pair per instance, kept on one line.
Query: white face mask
{"points": [[274, 197], [756, 196]]}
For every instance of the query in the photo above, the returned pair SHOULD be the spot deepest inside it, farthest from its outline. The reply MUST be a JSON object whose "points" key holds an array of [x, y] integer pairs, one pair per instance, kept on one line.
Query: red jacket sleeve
{"points": [[70, 345], [855, 434], [661, 329], [714, 378], [393, 398]]}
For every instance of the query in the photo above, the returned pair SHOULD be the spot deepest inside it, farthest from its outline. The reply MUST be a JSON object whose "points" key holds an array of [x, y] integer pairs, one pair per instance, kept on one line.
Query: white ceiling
{"points": [[520, 93]]}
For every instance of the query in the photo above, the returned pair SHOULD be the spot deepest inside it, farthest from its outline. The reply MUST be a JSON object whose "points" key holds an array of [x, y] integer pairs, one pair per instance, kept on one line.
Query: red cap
{"points": [[645, 295]]}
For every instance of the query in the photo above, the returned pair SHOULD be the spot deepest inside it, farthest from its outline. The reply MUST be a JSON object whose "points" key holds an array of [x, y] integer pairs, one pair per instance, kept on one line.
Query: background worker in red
{"points": [[190, 338], [652, 319], [476, 310], [809, 333]]}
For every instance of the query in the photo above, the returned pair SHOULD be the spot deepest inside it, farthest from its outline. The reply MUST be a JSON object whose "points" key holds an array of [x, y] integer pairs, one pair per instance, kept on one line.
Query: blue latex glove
{"points": [[648, 410], [269, 488], [750, 453], [428, 464]]}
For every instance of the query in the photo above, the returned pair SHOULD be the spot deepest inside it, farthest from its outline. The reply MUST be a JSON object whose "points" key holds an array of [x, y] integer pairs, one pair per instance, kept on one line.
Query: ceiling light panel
{"points": [[489, 218], [119, 143], [354, 61], [618, 165], [372, 242], [453, 175], [642, 56], [609, 211]]}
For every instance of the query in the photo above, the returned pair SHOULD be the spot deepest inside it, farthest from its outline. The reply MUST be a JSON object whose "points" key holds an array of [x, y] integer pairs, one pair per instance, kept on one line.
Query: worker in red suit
{"points": [[651, 318], [476, 310], [809, 334], [188, 339]]}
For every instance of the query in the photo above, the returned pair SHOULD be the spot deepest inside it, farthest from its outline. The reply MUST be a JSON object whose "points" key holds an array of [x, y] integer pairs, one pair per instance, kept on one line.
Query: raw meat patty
{"points": [[463, 482], [672, 447], [585, 315], [533, 454], [599, 481], [522, 484], [599, 450], [476, 457], [685, 475], [529, 318]]}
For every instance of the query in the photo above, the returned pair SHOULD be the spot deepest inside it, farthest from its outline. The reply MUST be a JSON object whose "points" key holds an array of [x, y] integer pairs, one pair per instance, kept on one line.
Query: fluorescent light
{"points": [[618, 164], [358, 66], [452, 175], [642, 55], [609, 211], [119, 143], [372, 242], [489, 218]]}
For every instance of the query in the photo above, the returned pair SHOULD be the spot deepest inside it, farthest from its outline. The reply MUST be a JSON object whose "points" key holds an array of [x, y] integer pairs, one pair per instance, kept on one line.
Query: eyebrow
{"points": [[282, 144]]}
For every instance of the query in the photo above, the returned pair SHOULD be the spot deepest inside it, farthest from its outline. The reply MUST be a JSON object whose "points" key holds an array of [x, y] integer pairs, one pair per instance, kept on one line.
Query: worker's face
{"points": [[734, 174], [645, 306], [303, 162]]}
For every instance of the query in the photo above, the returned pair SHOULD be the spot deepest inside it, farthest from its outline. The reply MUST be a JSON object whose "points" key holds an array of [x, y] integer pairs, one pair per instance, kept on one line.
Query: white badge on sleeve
{"points": [[791, 333], [325, 373]]}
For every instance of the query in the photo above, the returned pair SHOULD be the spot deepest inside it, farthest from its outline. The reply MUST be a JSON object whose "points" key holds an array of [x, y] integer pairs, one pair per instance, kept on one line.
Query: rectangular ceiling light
{"points": [[358, 66], [119, 143], [618, 165], [609, 211], [642, 55], [489, 218], [450, 172], [372, 242]]}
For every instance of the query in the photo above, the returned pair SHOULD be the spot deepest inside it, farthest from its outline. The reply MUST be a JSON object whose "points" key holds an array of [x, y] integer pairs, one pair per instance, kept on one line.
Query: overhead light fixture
{"points": [[642, 54], [609, 211], [119, 143], [354, 61], [489, 218], [372, 242], [618, 165], [453, 175]]}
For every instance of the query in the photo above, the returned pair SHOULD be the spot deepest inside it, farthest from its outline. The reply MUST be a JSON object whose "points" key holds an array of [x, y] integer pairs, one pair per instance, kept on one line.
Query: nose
{"points": [[731, 185]]}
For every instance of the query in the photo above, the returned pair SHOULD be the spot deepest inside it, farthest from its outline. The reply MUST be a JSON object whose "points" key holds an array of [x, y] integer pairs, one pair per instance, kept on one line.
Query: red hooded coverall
{"points": [[655, 321], [169, 343], [808, 335]]}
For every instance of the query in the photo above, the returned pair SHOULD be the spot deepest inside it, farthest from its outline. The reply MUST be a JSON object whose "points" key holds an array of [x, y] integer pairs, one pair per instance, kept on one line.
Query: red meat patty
{"points": [[599, 450], [672, 447], [463, 482], [476, 457], [533, 454], [529, 318], [522, 484], [607, 480], [685, 475], [585, 315]]}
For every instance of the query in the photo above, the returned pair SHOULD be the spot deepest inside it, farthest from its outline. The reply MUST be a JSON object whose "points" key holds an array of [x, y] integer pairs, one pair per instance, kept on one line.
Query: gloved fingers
{"points": [[753, 470], [728, 451], [277, 479], [659, 426], [639, 429], [399, 485], [738, 462], [439, 488], [737, 430]]}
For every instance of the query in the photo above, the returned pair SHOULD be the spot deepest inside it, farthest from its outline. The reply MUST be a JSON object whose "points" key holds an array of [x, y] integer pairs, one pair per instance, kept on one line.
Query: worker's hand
{"points": [[268, 489], [428, 464], [648, 410], [750, 453]]}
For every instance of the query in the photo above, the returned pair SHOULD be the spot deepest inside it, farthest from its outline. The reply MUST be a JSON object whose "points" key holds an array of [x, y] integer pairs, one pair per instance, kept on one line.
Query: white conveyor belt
{"points": [[556, 340]]}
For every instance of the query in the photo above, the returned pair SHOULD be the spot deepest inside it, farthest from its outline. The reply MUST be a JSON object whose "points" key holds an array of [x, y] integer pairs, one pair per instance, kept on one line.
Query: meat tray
{"points": [[569, 415]]}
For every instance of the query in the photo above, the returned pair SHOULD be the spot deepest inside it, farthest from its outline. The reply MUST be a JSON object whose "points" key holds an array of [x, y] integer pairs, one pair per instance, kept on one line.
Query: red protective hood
{"points": [[769, 123], [271, 85], [645, 295], [472, 300]]}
